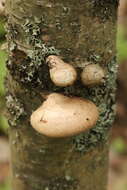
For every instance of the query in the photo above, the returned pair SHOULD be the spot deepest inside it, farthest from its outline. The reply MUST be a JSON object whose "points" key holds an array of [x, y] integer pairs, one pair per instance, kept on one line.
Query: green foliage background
{"points": [[3, 57]]}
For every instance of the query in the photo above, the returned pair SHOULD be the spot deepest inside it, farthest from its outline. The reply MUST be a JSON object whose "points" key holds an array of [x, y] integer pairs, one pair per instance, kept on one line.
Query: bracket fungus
{"points": [[62, 116], [62, 74], [92, 75], [2, 7]]}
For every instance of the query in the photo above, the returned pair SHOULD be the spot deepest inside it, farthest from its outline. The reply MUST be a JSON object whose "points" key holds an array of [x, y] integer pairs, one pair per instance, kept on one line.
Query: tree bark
{"points": [[80, 32]]}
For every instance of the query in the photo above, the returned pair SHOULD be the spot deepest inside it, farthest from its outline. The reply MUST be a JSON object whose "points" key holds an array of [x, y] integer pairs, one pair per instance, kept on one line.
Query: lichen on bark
{"points": [[15, 109], [30, 72]]}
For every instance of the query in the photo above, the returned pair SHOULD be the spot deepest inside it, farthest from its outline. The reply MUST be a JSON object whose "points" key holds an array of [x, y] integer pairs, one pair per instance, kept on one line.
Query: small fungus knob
{"points": [[92, 75], [61, 73]]}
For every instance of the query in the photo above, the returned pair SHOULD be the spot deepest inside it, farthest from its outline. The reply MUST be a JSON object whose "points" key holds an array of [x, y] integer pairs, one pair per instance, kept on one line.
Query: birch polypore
{"points": [[62, 116], [61, 73], [2, 7], [92, 75]]}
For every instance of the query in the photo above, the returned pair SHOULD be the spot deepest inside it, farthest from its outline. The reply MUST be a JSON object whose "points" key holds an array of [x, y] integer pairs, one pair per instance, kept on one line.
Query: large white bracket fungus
{"points": [[61, 73], [62, 116], [92, 75]]}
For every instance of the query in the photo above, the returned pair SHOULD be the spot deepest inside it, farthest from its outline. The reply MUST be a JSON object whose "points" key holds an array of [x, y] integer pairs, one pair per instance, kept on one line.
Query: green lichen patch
{"points": [[62, 184], [104, 98], [54, 183], [15, 109], [23, 70], [104, 9], [29, 67]]}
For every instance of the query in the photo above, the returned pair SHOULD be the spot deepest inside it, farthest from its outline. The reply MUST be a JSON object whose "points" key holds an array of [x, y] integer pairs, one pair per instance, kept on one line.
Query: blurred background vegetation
{"points": [[118, 152], [3, 57]]}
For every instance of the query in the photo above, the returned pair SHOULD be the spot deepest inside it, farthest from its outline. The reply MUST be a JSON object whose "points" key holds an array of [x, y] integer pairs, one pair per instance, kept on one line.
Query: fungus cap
{"points": [[2, 7], [62, 116], [61, 73], [92, 75]]}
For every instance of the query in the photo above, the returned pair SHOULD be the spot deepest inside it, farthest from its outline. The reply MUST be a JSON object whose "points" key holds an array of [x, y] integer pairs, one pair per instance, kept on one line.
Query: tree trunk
{"points": [[80, 32]]}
